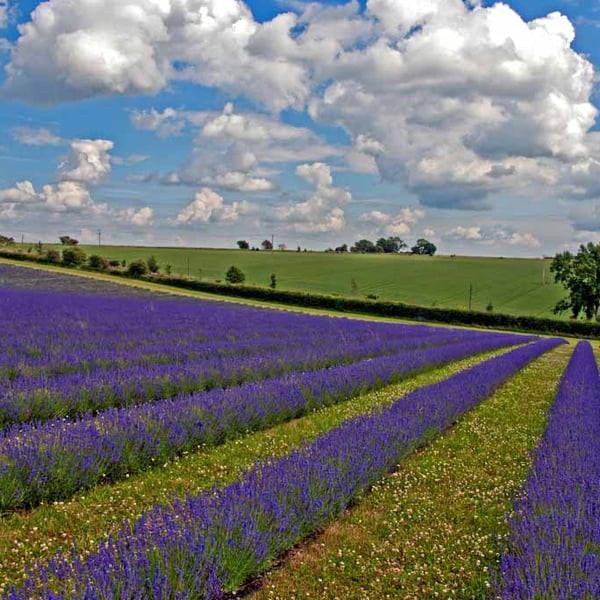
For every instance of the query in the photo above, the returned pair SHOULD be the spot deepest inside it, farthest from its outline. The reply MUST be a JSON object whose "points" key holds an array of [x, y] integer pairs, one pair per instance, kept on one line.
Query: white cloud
{"points": [[142, 217], [493, 235], [210, 207], [395, 225], [65, 196], [22, 193], [465, 233], [322, 211], [3, 13], [132, 159], [88, 162], [36, 136], [166, 123]]}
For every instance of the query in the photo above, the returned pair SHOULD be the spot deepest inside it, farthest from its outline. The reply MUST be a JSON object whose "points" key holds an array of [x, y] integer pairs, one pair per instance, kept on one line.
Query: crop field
{"points": [[163, 447], [511, 285]]}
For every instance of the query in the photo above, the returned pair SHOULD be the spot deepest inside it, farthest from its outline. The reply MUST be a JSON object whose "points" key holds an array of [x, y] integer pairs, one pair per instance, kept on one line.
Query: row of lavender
{"points": [[553, 547], [209, 544], [53, 460], [268, 343]]}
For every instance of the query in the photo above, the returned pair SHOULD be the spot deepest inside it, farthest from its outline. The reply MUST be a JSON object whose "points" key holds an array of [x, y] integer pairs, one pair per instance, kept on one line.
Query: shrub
{"points": [[98, 262], [137, 268], [52, 255], [234, 275], [114, 263], [153, 266], [73, 256]]}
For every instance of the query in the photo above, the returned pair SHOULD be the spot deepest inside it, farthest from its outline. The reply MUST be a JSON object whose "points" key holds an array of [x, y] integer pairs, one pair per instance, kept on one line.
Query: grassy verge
{"points": [[34, 534], [429, 530]]}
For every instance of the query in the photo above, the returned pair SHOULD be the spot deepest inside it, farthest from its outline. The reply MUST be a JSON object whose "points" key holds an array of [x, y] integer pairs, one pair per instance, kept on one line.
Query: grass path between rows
{"points": [[430, 530], [39, 533]]}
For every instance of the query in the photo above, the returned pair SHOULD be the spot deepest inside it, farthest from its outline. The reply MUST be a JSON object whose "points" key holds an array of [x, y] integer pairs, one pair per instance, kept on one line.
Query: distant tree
{"points": [[390, 245], [273, 281], [137, 268], [73, 256], [39, 248], [168, 269], [364, 247], [243, 244], [98, 262], [298, 249], [6, 241], [153, 265], [424, 246], [342, 249], [67, 240], [234, 275], [267, 245], [580, 275], [281, 247]]}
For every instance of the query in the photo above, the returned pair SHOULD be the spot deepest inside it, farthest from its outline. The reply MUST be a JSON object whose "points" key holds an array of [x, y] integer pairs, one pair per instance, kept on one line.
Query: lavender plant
{"points": [[207, 545], [553, 542]]}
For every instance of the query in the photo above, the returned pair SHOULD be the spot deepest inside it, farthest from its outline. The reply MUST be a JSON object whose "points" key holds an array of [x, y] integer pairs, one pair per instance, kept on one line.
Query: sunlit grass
{"points": [[430, 530]]}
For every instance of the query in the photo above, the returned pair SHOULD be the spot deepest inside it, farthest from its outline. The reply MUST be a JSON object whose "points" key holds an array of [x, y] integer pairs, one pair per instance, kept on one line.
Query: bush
{"points": [[153, 266], [53, 256], [234, 275], [114, 263], [73, 256], [98, 262], [137, 268]]}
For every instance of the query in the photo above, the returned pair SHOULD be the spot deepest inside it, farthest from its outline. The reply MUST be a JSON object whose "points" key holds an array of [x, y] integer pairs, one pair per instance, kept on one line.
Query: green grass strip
{"points": [[39, 533], [430, 529]]}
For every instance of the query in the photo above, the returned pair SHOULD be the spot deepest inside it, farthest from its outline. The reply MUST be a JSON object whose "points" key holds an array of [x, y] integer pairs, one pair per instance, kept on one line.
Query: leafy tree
{"points": [[67, 240], [364, 247], [73, 256], [137, 268], [273, 281], [98, 262], [243, 244], [267, 245], [390, 245], [424, 246], [234, 275], [342, 249], [6, 241], [580, 275], [152, 263]]}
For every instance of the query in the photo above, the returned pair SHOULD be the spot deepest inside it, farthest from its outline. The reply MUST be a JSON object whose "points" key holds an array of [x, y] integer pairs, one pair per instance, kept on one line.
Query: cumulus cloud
{"points": [[167, 123], [399, 224], [493, 235], [142, 217], [65, 196], [322, 211], [210, 207], [31, 136], [88, 162], [23, 192]]}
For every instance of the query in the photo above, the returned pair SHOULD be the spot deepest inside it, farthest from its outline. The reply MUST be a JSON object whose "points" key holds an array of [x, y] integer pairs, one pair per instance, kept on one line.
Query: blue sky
{"points": [[202, 122]]}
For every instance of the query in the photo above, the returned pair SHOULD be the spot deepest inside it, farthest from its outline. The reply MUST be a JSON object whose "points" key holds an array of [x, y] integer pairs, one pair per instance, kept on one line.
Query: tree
{"points": [[73, 256], [6, 241], [152, 263], [580, 275], [424, 246], [137, 268], [364, 247], [273, 281], [98, 262], [342, 249], [243, 244], [390, 245], [67, 240], [234, 275], [267, 245]]}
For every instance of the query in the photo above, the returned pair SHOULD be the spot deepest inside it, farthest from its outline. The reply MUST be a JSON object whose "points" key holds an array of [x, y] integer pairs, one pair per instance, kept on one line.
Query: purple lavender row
{"points": [[54, 460], [73, 394], [49, 332], [208, 545], [553, 545]]}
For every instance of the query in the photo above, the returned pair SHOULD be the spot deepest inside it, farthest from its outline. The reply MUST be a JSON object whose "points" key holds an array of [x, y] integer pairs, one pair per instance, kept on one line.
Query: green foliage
{"points": [[273, 281], [424, 246], [73, 256], [364, 247], [168, 269], [580, 275], [390, 245], [243, 244], [67, 240], [53, 256], [6, 241], [153, 265], [137, 268], [267, 245], [98, 262], [234, 275]]}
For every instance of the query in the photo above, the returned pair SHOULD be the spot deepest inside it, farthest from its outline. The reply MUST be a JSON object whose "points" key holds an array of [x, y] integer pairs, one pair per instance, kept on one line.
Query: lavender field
{"points": [[107, 393]]}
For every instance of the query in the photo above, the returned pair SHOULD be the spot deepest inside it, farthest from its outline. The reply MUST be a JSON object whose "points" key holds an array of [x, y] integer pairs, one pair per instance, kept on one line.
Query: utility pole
{"points": [[470, 294], [272, 241], [99, 234]]}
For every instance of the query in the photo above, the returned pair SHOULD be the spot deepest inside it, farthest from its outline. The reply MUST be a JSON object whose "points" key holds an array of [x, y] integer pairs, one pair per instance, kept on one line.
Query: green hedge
{"points": [[380, 308]]}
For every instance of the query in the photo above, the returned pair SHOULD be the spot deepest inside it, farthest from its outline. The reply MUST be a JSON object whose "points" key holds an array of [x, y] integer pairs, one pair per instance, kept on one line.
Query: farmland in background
{"points": [[512, 285]]}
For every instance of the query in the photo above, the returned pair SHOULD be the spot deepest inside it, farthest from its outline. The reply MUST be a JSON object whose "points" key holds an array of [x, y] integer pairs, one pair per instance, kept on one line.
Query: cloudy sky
{"points": [[202, 122]]}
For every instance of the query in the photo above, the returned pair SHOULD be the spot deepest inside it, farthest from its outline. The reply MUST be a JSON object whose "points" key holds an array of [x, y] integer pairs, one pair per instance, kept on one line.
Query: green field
{"points": [[512, 285]]}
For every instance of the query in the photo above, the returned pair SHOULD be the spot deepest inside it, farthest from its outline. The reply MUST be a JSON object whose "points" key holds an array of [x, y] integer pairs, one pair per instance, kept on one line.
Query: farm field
{"points": [[512, 286], [170, 447]]}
